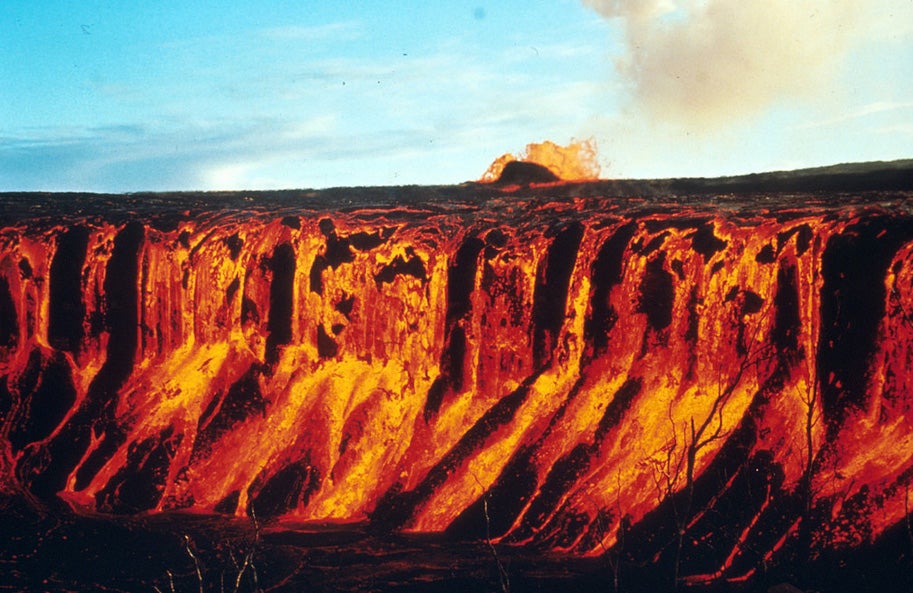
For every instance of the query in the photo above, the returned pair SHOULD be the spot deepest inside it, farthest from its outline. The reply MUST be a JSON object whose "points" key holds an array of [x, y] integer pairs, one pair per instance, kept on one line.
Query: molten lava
{"points": [[573, 373], [578, 161]]}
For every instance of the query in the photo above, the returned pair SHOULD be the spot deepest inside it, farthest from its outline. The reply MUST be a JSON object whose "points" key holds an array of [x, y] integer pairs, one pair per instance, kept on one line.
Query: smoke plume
{"points": [[706, 63]]}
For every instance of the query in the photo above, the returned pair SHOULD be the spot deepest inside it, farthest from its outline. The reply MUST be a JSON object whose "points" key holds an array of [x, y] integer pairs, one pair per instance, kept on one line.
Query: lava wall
{"points": [[578, 374]]}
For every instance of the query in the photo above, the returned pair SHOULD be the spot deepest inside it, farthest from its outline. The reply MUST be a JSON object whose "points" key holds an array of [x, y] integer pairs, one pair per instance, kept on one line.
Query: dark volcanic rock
{"points": [[523, 172]]}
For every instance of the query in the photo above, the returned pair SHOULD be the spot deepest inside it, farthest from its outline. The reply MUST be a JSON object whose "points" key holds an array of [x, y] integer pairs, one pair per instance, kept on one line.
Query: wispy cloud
{"points": [[192, 158], [878, 107], [896, 130], [342, 31]]}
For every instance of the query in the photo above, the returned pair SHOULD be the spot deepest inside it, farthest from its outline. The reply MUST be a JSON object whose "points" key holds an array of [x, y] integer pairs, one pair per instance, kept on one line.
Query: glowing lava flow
{"points": [[577, 367]]}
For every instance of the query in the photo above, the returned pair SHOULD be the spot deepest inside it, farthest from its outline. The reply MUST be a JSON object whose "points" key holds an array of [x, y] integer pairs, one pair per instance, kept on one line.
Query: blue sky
{"points": [[127, 96]]}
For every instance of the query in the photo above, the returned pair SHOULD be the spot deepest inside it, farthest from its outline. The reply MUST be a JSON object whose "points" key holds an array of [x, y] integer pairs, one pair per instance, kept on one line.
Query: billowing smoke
{"points": [[703, 63]]}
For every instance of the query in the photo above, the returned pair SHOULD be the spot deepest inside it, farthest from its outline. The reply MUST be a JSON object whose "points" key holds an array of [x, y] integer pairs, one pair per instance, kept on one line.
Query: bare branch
{"points": [[196, 563], [503, 577]]}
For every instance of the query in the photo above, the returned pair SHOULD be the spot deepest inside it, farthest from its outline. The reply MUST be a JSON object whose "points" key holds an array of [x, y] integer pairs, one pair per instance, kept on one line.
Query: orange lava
{"points": [[580, 365], [578, 161]]}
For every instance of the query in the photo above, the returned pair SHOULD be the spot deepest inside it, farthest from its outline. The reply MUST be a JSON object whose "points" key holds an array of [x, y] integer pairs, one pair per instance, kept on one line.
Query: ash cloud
{"points": [[708, 63]]}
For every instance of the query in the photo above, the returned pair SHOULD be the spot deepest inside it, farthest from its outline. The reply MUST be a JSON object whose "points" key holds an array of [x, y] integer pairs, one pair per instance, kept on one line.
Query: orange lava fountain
{"points": [[578, 161]]}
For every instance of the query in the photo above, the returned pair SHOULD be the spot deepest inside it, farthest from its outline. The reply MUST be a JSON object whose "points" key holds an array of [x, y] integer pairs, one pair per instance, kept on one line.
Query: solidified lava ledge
{"points": [[719, 380]]}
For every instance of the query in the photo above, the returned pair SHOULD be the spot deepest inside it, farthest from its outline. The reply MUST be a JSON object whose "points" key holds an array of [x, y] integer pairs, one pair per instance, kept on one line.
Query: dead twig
{"points": [[503, 577], [196, 563], [244, 566]]}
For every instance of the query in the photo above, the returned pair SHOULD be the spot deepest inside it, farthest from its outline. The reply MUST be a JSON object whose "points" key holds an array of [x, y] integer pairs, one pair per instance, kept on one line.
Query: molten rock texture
{"points": [[574, 373]]}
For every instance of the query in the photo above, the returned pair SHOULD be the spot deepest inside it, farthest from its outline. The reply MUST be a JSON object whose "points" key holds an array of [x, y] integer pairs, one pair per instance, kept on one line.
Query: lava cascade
{"points": [[557, 373]]}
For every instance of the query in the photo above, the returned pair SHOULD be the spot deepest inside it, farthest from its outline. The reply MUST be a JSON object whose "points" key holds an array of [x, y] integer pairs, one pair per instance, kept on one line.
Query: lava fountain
{"points": [[578, 161]]}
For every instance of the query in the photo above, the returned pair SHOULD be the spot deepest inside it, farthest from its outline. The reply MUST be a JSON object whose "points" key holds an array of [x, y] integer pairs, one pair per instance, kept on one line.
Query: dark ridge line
{"points": [[551, 292], [122, 321], [606, 272], [139, 485], [853, 267], [9, 320], [66, 308], [461, 275], [397, 507], [848, 179], [43, 469], [284, 490], [281, 299], [47, 393], [242, 400]]}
